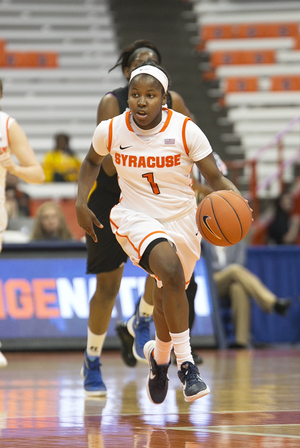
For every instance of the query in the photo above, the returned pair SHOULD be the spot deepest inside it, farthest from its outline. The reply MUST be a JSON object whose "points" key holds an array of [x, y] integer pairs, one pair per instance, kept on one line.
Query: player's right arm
{"points": [[88, 173]]}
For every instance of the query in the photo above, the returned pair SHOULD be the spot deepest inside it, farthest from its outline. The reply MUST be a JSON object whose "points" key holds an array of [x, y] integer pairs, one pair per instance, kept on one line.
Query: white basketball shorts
{"points": [[135, 231]]}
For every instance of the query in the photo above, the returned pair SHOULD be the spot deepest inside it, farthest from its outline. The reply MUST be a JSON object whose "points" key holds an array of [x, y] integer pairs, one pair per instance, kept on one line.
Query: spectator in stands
{"points": [[50, 224], [61, 164], [13, 141], [11, 203], [236, 283], [285, 226], [17, 202]]}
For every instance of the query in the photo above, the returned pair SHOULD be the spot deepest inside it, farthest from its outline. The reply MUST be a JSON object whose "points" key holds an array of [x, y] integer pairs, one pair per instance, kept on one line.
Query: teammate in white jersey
{"points": [[13, 142], [153, 150]]}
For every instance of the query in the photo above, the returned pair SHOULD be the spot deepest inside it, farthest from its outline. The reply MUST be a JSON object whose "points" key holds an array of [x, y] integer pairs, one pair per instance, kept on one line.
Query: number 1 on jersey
{"points": [[150, 179]]}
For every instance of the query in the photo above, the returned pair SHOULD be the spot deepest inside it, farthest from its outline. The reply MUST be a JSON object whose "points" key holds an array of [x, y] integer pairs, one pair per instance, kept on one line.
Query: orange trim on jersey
{"points": [[122, 236], [127, 121], [125, 236], [147, 236], [170, 113], [183, 135], [110, 134]]}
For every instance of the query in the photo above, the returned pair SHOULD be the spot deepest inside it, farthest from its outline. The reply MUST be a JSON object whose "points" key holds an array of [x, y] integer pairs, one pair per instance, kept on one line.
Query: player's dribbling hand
{"points": [[86, 218]]}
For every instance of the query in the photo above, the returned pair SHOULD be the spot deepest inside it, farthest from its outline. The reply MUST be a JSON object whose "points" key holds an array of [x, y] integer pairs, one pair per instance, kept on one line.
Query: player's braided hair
{"points": [[127, 53]]}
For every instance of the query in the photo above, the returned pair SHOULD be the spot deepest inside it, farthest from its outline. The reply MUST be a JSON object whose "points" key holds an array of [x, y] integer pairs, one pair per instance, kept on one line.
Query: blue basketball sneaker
{"points": [[139, 328], [192, 384], [91, 374]]}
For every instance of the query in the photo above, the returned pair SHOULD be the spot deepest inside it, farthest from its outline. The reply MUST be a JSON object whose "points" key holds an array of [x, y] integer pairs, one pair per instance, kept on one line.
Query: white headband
{"points": [[152, 71]]}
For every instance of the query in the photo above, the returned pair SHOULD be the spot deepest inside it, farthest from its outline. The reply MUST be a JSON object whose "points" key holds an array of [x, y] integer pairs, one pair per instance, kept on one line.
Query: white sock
{"points": [[145, 310], [182, 347], [94, 344], [162, 351]]}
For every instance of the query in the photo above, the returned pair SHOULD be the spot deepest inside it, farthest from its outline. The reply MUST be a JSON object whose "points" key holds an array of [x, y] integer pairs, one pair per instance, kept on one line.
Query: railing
{"points": [[254, 187]]}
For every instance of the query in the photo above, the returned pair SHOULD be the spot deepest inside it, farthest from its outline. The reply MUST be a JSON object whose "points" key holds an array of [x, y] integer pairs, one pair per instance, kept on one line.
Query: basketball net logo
{"points": [[204, 219]]}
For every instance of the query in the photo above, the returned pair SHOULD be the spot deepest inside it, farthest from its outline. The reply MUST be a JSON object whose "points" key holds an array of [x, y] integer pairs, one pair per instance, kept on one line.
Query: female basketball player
{"points": [[105, 257], [154, 149], [14, 142]]}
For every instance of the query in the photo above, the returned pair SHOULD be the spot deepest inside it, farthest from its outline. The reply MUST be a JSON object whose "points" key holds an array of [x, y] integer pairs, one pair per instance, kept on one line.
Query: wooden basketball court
{"points": [[254, 402]]}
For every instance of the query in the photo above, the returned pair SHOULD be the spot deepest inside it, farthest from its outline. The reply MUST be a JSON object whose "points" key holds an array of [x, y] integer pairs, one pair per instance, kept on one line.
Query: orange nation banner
{"points": [[22, 299], [48, 298]]}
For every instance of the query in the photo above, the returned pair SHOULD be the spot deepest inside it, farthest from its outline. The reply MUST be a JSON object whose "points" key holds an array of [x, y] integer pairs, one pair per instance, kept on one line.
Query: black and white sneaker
{"points": [[157, 382], [126, 341], [192, 384]]}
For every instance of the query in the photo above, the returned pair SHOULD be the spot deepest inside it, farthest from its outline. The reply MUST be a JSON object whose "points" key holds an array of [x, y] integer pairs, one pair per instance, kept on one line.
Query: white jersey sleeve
{"points": [[100, 138], [197, 142]]}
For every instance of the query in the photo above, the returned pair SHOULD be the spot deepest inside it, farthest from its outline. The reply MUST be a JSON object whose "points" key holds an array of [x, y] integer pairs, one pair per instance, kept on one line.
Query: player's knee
{"points": [[107, 288], [172, 276]]}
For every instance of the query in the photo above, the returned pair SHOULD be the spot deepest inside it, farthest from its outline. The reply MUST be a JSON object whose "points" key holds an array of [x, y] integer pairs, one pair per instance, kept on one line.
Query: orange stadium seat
{"points": [[245, 30], [297, 43], [242, 57], [31, 59], [241, 84], [266, 30], [209, 32], [279, 83], [209, 75], [2, 53]]}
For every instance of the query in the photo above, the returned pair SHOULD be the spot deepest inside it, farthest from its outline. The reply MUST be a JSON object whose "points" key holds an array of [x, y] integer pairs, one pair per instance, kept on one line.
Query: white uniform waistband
{"points": [[190, 209]]}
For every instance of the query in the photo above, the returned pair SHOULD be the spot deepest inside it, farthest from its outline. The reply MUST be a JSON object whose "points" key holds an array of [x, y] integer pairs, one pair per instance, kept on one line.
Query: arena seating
{"points": [[61, 93], [253, 56]]}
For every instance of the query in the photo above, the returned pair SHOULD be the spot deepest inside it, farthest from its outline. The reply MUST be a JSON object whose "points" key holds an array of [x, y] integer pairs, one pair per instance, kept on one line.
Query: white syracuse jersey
{"points": [[154, 175], [5, 122]]}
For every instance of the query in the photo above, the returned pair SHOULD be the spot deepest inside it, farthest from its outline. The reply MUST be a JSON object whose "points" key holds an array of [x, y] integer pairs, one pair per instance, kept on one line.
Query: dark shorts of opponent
{"points": [[106, 255]]}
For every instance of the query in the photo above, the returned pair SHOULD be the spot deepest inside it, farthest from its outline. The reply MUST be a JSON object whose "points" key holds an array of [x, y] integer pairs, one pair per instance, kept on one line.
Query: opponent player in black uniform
{"points": [[105, 256]]}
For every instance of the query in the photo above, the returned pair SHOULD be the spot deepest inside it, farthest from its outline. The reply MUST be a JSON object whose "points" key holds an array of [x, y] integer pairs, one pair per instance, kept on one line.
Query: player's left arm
{"points": [[215, 179], [201, 189], [87, 176]]}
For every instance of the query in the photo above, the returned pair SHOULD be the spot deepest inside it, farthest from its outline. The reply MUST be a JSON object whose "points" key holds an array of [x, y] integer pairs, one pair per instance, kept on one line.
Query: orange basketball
{"points": [[224, 218]]}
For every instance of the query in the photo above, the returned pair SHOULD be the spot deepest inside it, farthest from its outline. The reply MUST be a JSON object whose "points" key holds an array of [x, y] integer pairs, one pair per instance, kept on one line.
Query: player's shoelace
{"points": [[161, 376], [191, 375]]}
